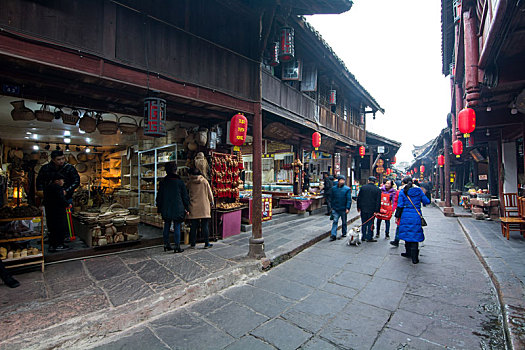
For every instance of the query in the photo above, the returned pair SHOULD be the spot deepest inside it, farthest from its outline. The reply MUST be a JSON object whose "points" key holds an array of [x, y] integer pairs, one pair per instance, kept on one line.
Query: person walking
{"points": [[387, 188], [173, 204], [368, 205], [328, 184], [410, 223], [55, 204], [395, 242], [341, 200], [201, 201]]}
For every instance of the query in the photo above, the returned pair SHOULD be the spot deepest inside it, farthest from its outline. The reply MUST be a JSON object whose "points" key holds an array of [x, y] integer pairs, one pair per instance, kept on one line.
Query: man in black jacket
{"points": [[368, 205], [58, 164], [56, 203]]}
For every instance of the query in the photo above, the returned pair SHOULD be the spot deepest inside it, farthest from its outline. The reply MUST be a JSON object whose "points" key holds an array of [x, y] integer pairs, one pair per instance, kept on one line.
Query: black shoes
{"points": [[178, 250], [343, 235], [207, 246], [11, 282], [371, 240], [387, 236], [63, 247], [332, 238], [394, 243], [60, 247], [168, 248], [415, 256]]}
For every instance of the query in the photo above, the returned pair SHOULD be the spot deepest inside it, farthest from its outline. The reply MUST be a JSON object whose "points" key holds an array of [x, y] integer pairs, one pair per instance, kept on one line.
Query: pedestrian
{"points": [[58, 164], [327, 190], [426, 186], [55, 204], [387, 188], [398, 183], [341, 201], [173, 204], [6, 277], [410, 224], [306, 178], [368, 205], [201, 201], [395, 242]]}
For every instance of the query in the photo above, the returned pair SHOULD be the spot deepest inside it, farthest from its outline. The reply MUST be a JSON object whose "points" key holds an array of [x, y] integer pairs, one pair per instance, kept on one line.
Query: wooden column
{"points": [[446, 176], [256, 246], [441, 184]]}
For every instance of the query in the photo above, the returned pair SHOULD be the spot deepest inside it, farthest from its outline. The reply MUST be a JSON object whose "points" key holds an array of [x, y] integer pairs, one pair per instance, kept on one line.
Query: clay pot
{"points": [[21, 112]]}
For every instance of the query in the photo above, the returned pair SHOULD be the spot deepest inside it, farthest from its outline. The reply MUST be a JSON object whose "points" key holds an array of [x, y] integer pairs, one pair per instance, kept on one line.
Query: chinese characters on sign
{"points": [[154, 117]]}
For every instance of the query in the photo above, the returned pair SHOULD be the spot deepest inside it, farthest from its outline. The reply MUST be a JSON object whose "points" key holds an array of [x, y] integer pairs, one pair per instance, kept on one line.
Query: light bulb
{"points": [[67, 133], [88, 150], [35, 147], [88, 140], [489, 109], [67, 140]]}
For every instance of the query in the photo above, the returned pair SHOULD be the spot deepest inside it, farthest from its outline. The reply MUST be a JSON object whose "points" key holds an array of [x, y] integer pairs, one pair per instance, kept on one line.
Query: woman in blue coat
{"points": [[410, 229]]}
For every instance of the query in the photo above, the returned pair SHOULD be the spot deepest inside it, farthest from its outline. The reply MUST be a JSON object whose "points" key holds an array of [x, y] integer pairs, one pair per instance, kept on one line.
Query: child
{"points": [[56, 203]]}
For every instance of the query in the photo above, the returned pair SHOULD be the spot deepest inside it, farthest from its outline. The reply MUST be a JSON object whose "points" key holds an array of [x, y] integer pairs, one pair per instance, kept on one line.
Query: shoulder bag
{"points": [[423, 221]]}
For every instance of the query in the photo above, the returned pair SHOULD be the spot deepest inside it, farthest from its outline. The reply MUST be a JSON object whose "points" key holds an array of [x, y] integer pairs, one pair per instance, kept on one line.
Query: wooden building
{"points": [[483, 46]]}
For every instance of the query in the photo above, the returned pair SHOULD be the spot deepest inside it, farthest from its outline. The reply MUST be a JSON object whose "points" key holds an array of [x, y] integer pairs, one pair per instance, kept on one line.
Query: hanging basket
{"points": [[106, 126], [44, 114], [70, 119], [129, 126], [88, 123], [21, 112]]}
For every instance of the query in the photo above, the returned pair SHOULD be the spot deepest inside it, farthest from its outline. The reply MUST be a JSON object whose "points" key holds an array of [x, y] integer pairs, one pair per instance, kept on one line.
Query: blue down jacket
{"points": [[341, 198], [410, 229]]}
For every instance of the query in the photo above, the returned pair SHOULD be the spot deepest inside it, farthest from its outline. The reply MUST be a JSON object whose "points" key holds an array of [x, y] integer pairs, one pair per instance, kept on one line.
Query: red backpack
{"points": [[386, 207]]}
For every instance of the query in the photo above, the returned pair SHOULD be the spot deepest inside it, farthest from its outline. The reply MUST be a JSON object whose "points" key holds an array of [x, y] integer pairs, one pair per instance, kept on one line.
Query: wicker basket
{"points": [[106, 126], [44, 114], [88, 123], [70, 119], [21, 112], [128, 127]]}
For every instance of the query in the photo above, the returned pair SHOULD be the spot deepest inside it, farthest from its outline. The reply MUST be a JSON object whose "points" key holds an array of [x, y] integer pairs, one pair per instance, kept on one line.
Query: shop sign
{"points": [[155, 117], [11, 89], [453, 177], [380, 149], [483, 177], [278, 131], [337, 164]]}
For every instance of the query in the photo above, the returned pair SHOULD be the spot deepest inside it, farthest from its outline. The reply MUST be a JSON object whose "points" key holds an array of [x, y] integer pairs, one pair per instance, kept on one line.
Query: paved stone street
{"points": [[332, 296]]}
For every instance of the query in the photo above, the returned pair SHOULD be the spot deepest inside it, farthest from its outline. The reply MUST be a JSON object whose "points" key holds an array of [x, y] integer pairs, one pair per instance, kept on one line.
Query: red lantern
{"points": [[316, 140], [422, 169], [393, 162], [441, 160], [457, 148], [274, 59], [238, 129], [415, 171], [286, 45], [467, 121], [362, 151], [333, 97]]}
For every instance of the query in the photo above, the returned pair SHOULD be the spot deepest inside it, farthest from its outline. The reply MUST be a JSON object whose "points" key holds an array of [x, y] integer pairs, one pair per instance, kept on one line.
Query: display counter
{"points": [[266, 208], [299, 205], [226, 222]]}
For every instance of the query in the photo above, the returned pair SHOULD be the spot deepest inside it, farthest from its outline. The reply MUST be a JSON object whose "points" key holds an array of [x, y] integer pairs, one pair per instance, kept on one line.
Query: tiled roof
{"points": [[373, 103]]}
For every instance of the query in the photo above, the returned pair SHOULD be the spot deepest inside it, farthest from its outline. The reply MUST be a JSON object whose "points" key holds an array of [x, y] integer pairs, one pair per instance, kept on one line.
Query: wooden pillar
{"points": [[449, 211], [441, 184], [493, 177], [256, 246]]}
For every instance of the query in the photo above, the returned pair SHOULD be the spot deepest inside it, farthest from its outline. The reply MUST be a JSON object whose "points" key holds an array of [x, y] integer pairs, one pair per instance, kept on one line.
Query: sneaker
{"points": [[371, 240], [394, 243], [207, 246], [343, 235], [332, 238]]}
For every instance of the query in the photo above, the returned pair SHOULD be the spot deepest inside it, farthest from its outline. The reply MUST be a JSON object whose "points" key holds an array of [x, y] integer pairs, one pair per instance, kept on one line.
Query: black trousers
{"points": [[56, 221], [204, 225], [4, 274]]}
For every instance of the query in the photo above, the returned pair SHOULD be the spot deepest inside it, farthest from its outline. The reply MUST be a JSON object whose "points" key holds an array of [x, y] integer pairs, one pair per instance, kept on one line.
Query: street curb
{"points": [[288, 255], [514, 337]]}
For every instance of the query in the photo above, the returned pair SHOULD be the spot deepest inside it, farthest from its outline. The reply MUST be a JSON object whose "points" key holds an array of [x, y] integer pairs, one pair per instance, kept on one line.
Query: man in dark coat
{"points": [[368, 205], [6, 277], [55, 204], [328, 184], [341, 201], [58, 164], [173, 203]]}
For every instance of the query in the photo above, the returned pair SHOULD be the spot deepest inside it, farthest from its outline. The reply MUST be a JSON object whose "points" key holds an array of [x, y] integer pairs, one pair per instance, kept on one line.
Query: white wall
{"points": [[510, 163]]}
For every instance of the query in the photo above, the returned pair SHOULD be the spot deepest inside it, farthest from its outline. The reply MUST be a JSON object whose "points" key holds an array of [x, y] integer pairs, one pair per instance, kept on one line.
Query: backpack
{"points": [[386, 207]]}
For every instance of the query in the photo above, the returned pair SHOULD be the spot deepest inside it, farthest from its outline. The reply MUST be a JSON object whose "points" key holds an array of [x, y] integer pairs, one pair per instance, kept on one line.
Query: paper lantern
{"points": [[286, 45], [422, 169], [155, 117], [362, 151], [441, 160], [316, 140], [415, 171], [393, 162], [274, 53], [467, 121], [457, 148], [333, 97], [238, 129]]}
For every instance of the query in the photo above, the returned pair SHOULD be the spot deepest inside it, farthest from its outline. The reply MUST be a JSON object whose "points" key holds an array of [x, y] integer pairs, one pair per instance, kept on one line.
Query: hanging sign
{"points": [[155, 117]]}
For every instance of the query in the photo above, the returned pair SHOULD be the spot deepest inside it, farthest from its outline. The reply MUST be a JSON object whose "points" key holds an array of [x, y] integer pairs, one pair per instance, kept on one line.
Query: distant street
{"points": [[332, 296]]}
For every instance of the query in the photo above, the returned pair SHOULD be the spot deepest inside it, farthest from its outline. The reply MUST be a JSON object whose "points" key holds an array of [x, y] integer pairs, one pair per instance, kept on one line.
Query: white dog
{"points": [[354, 237]]}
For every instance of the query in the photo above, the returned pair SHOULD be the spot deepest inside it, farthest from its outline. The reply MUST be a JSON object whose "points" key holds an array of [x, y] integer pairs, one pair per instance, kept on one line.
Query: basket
{"points": [[107, 126], [70, 119], [21, 112], [44, 114], [127, 128], [88, 123]]}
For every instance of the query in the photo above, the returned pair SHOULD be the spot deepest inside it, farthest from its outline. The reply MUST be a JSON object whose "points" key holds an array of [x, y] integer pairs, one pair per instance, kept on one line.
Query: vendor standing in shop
{"points": [[56, 203], [58, 164]]}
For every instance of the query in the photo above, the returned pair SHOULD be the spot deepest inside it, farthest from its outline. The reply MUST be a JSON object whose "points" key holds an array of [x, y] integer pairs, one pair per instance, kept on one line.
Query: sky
{"points": [[394, 50]]}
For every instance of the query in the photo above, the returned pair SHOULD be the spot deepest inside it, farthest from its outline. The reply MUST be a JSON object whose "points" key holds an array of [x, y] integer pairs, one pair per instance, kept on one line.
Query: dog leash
{"points": [[366, 222]]}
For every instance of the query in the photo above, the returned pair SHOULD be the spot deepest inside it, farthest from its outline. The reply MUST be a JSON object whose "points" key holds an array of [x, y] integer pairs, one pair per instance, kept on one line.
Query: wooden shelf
{"points": [[18, 219], [39, 255], [20, 239]]}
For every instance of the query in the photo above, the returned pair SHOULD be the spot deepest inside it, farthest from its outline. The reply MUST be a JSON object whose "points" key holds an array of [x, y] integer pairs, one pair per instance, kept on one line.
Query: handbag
{"points": [[423, 221]]}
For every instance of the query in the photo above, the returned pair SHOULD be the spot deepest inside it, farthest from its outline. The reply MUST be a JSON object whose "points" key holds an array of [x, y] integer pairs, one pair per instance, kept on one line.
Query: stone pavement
{"points": [[504, 259], [332, 296], [83, 298]]}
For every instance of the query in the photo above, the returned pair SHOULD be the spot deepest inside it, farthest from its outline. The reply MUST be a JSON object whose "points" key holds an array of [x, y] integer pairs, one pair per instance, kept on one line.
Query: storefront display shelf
{"points": [[31, 259]]}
